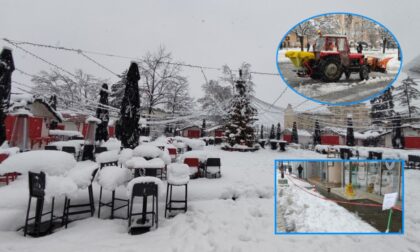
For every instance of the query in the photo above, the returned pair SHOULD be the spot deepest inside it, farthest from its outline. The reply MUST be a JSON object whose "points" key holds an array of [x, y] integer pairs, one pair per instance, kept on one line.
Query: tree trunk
{"points": [[301, 43]]}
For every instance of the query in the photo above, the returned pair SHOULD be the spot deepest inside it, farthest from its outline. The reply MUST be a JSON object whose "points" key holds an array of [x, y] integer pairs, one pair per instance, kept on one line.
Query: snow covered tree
{"points": [[159, 72], [178, 99], [382, 108], [117, 90], [350, 132], [295, 135], [241, 116], [317, 133], [128, 123], [103, 114], [215, 101], [278, 131], [73, 91], [406, 93], [397, 134], [230, 78], [7, 67], [272, 133]]}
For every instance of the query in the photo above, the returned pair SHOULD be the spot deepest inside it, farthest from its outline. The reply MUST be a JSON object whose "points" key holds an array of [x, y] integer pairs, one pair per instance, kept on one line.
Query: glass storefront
{"points": [[373, 177]]}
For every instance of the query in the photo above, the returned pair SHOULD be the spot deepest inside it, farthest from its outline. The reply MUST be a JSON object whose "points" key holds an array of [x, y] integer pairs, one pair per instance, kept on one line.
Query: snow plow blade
{"points": [[377, 64], [299, 57]]}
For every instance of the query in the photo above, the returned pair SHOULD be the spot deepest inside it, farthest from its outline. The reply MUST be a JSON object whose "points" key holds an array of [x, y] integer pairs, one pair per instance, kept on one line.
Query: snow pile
{"points": [[92, 119], [144, 139], [111, 177], [82, 173], [50, 162], [393, 66], [125, 155], [19, 104], [112, 144], [9, 151], [165, 156], [304, 212], [195, 144], [67, 133], [147, 150], [178, 174], [108, 156], [72, 143], [146, 179], [201, 155], [58, 186], [141, 163], [136, 162]]}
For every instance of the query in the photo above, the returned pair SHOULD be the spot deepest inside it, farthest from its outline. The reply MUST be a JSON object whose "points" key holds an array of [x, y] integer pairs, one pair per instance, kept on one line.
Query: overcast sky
{"points": [[209, 33]]}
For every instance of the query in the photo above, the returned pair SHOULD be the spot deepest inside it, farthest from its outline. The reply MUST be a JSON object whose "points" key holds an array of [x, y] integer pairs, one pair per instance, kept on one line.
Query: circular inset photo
{"points": [[339, 58]]}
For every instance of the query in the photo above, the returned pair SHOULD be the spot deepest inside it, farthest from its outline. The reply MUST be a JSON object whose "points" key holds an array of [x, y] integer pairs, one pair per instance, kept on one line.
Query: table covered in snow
{"points": [[150, 167]]}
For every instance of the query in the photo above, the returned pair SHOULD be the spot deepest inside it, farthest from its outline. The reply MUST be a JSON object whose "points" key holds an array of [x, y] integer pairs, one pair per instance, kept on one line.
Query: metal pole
{"points": [[389, 221]]}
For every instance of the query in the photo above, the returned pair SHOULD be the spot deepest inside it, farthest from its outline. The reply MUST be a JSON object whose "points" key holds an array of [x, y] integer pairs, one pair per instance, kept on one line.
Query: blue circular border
{"points": [[340, 103]]}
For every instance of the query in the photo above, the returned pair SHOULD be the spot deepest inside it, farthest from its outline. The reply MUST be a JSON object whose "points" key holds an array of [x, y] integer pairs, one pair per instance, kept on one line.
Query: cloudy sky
{"points": [[209, 33]]}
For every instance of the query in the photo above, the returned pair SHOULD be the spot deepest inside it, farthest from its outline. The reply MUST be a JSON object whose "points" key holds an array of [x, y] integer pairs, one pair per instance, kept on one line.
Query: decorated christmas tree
{"points": [[295, 136], [103, 114], [272, 133], [241, 116], [128, 123]]}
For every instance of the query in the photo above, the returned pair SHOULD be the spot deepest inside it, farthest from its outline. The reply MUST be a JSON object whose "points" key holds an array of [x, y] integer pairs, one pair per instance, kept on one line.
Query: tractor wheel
{"points": [[364, 72], [331, 70]]}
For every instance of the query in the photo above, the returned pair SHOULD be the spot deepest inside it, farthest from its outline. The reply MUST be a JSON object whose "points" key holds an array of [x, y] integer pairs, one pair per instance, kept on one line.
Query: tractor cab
{"points": [[332, 45]]}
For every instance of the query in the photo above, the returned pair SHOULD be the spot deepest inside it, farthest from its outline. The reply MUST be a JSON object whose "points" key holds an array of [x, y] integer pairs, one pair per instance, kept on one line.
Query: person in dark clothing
{"points": [[300, 170], [308, 46], [282, 171], [359, 48], [290, 169]]}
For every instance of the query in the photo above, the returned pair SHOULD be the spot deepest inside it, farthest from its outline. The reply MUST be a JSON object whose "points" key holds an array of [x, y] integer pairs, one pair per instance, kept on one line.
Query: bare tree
{"points": [[302, 30], [215, 101], [72, 91], [158, 72], [178, 99]]}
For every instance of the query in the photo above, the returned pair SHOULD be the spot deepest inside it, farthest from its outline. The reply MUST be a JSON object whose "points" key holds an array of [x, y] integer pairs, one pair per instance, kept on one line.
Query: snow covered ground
{"points": [[302, 212], [233, 213]]}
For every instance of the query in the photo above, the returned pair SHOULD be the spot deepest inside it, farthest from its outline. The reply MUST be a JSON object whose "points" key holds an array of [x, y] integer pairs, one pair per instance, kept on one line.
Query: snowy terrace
{"points": [[233, 213]]}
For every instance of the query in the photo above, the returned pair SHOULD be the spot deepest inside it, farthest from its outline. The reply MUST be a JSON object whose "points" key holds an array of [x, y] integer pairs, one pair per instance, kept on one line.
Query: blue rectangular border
{"points": [[343, 161]]}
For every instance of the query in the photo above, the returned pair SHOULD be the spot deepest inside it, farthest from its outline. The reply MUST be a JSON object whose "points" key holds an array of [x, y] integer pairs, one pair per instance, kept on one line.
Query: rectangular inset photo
{"points": [[338, 196]]}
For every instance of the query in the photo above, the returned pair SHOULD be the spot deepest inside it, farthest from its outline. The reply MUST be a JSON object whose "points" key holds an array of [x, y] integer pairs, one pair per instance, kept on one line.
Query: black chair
{"points": [[100, 149], [144, 190], [88, 207], [88, 152], [413, 162], [169, 201], [345, 153], [213, 162], [374, 155], [37, 191], [111, 203], [50, 147]]}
